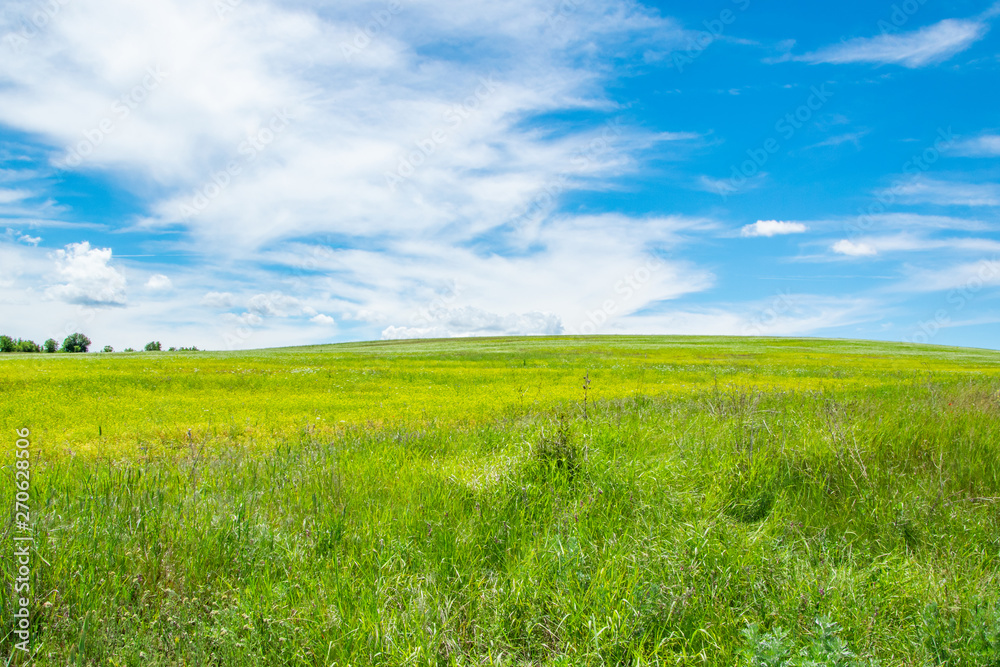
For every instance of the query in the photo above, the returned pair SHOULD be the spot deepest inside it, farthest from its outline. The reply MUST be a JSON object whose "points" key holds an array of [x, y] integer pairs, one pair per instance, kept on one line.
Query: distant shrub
{"points": [[8, 344], [51, 345], [76, 342], [187, 349], [128, 349], [108, 348], [153, 346], [171, 349]]}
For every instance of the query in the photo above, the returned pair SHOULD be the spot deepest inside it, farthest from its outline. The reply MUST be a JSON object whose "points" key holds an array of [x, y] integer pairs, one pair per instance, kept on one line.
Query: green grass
{"points": [[721, 501]]}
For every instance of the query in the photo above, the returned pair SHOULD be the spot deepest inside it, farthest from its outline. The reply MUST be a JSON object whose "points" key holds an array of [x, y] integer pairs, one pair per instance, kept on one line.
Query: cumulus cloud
{"points": [[772, 228], [15, 235], [89, 277], [322, 319], [845, 247], [159, 283], [221, 300]]}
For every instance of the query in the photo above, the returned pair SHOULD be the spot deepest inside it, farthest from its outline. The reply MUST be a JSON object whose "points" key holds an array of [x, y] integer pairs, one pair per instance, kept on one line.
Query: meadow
{"points": [[518, 501]]}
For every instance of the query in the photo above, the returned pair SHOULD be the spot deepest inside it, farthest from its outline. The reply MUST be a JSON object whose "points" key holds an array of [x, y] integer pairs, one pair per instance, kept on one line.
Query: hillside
{"points": [[462, 502]]}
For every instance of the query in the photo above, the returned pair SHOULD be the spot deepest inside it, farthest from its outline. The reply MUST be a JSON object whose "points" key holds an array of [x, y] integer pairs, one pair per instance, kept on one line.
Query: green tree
{"points": [[28, 346], [153, 346], [51, 345], [108, 348], [76, 342], [7, 344]]}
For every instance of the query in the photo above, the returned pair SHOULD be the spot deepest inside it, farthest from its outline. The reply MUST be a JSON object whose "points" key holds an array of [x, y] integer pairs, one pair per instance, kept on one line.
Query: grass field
{"points": [[466, 502]]}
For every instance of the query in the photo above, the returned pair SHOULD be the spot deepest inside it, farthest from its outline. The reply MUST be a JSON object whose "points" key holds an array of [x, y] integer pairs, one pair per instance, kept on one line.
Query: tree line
{"points": [[74, 343]]}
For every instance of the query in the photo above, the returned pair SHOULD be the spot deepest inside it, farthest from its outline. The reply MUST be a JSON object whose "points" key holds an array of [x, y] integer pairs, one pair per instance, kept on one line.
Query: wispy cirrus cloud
{"points": [[836, 140], [985, 145], [981, 274], [786, 314], [926, 190], [417, 132], [8, 196], [451, 124], [913, 243], [926, 46]]}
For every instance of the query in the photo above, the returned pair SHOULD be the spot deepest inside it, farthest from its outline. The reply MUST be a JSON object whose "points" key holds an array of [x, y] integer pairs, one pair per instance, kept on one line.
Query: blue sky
{"points": [[241, 173]]}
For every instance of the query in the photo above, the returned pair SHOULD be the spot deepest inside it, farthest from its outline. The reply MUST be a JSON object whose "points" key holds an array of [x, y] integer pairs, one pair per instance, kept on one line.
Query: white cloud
{"points": [[897, 222], [470, 321], [274, 304], [566, 268], [325, 320], [923, 190], [911, 221], [89, 278], [8, 196], [836, 140], [465, 158], [969, 277], [929, 45], [15, 235], [914, 242], [772, 228], [159, 283], [485, 180], [221, 300], [784, 314], [985, 145], [845, 247], [730, 186]]}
